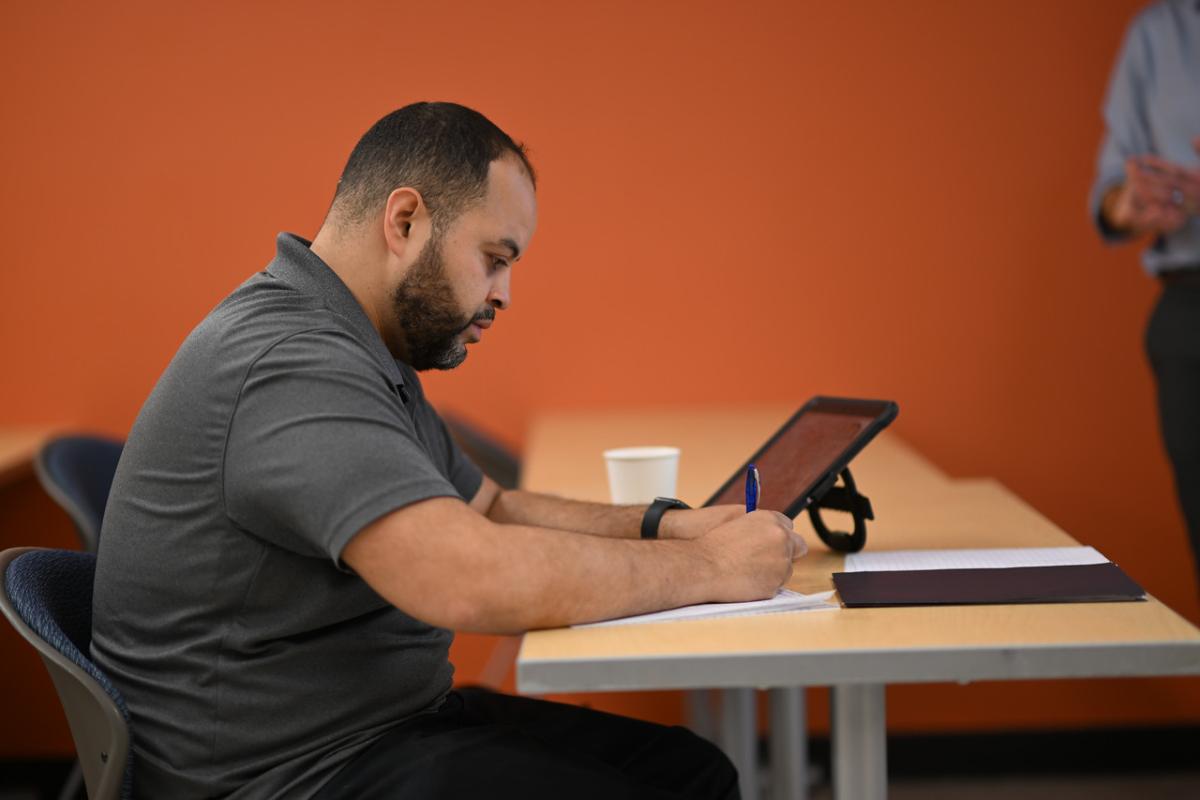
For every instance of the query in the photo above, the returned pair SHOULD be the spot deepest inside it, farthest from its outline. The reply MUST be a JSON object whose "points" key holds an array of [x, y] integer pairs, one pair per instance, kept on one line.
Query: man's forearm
{"points": [[517, 507], [530, 578], [476, 575]]}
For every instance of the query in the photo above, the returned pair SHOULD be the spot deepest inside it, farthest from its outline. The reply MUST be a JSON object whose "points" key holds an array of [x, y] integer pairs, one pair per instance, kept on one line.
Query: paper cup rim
{"points": [[640, 453]]}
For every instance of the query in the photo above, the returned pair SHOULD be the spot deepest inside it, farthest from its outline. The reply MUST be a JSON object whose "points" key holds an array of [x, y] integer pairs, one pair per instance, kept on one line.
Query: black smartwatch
{"points": [[654, 514]]}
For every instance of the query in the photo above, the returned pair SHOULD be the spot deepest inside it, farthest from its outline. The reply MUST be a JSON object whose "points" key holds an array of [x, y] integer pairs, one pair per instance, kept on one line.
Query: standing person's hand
{"points": [[751, 555], [1157, 197]]}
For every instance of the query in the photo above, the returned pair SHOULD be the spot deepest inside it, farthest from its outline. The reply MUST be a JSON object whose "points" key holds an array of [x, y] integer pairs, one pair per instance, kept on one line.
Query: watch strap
{"points": [[654, 514]]}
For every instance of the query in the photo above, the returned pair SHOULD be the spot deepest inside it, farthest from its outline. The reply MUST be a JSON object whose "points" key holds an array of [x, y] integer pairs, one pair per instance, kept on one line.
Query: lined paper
{"points": [[785, 600], [988, 558]]}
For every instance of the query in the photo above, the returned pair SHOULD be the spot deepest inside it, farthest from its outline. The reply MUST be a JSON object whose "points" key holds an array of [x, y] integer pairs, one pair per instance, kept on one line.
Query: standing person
{"points": [[1148, 187], [292, 535]]}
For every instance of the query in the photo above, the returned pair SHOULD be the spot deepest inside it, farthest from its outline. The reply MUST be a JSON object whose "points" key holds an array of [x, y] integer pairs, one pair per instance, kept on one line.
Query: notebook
{"points": [[970, 577]]}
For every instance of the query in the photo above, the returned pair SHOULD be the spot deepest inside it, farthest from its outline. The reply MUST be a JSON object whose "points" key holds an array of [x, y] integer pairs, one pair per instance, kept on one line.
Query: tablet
{"points": [[802, 461]]}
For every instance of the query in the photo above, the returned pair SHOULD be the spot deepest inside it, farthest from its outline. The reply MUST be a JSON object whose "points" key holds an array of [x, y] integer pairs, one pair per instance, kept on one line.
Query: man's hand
{"points": [[691, 523], [751, 555], [1157, 196]]}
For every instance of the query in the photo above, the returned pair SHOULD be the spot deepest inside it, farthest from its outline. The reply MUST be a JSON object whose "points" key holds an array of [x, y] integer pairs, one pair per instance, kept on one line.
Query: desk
{"points": [[854, 651], [18, 446]]}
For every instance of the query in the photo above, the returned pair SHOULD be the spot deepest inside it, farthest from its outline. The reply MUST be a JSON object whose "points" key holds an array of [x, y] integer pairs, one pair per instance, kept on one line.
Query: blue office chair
{"points": [[77, 473], [46, 595]]}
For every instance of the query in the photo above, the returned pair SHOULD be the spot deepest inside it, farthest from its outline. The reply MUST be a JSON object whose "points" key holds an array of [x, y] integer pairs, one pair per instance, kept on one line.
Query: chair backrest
{"points": [[77, 473], [497, 461], [47, 597]]}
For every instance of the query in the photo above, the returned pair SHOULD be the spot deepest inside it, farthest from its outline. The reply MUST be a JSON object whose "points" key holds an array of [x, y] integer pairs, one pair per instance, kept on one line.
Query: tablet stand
{"points": [[843, 498]]}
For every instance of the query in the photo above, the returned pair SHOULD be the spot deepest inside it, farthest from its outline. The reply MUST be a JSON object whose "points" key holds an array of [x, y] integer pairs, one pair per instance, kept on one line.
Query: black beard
{"points": [[425, 310]]}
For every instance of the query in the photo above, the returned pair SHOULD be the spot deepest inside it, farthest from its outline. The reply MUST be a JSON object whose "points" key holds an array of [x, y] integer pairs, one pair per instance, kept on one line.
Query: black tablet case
{"points": [[1089, 583], [803, 459]]}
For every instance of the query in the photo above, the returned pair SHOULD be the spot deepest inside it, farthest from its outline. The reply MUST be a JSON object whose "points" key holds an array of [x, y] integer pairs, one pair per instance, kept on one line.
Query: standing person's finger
{"points": [[1152, 186], [1152, 164]]}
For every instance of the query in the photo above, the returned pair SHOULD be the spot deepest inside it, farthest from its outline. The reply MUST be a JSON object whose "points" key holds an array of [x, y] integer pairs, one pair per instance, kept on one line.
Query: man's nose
{"points": [[500, 295]]}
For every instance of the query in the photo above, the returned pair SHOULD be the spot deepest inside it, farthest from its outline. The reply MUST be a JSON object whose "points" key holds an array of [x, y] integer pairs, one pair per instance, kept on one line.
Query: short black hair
{"points": [[443, 150]]}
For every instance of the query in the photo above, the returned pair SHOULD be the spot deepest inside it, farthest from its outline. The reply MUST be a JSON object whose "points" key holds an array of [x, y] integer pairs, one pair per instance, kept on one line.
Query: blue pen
{"points": [[753, 487]]}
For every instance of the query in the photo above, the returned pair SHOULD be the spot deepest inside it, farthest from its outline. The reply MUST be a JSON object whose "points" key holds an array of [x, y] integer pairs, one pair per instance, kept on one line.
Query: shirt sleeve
{"points": [[320, 446], [1127, 129]]}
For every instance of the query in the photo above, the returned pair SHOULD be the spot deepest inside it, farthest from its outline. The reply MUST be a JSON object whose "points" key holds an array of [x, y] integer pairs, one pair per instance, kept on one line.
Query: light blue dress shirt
{"points": [[1153, 106]]}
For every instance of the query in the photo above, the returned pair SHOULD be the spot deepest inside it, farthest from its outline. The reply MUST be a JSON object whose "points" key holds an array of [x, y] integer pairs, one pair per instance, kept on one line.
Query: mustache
{"points": [[486, 315]]}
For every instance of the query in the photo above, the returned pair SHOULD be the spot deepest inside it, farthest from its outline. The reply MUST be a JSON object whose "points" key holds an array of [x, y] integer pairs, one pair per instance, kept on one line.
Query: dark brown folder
{"points": [[1090, 583]]}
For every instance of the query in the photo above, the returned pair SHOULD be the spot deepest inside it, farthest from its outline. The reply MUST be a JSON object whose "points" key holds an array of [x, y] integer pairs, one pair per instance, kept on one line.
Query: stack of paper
{"points": [[785, 600], [993, 558]]}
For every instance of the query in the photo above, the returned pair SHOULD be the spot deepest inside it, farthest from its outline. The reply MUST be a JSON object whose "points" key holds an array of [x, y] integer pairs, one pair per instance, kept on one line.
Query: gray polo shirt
{"points": [[1153, 106], [254, 663]]}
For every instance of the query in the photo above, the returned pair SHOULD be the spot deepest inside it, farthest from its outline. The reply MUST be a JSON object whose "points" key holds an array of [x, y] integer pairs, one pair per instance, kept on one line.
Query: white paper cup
{"points": [[637, 475]]}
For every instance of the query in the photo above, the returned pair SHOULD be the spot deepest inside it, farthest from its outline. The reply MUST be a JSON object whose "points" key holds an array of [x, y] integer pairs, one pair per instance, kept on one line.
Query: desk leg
{"points": [[789, 744], [739, 737], [701, 717], [859, 742]]}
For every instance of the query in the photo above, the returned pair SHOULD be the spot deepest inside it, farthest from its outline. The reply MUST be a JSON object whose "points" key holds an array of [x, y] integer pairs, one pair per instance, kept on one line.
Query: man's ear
{"points": [[404, 219]]}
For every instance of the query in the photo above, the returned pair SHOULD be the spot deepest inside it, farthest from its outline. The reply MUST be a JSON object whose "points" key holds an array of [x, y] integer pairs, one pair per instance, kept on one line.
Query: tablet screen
{"points": [[819, 440]]}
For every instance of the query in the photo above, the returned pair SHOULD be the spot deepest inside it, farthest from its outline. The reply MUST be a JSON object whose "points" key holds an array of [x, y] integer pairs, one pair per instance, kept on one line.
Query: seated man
{"points": [[292, 535]]}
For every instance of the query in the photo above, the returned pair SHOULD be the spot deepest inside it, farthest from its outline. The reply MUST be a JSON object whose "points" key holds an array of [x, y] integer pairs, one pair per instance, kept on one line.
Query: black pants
{"points": [[1173, 345], [487, 745]]}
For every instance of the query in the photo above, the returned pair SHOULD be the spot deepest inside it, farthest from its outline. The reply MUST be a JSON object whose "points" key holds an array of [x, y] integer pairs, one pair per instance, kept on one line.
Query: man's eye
{"points": [[498, 262]]}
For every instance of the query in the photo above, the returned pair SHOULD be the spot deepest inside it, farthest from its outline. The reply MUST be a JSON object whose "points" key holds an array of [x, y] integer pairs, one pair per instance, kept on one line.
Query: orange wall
{"points": [[745, 203]]}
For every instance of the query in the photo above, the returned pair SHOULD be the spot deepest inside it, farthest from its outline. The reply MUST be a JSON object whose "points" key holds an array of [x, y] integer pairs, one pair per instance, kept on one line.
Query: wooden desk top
{"points": [[18, 446], [916, 507]]}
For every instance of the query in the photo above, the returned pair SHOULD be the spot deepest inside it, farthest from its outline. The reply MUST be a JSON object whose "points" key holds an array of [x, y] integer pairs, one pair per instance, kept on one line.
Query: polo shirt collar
{"points": [[296, 264]]}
